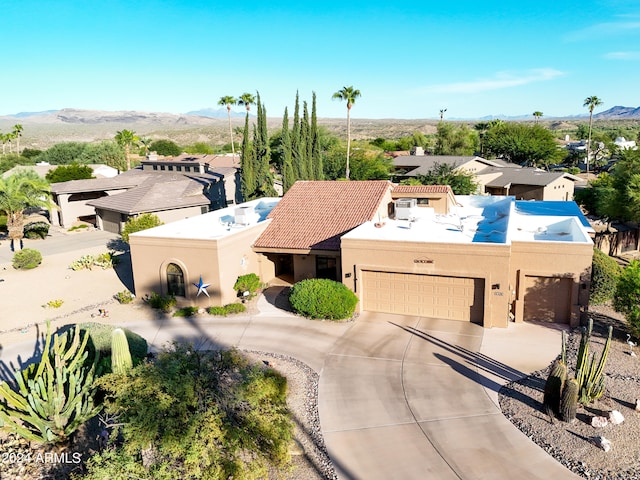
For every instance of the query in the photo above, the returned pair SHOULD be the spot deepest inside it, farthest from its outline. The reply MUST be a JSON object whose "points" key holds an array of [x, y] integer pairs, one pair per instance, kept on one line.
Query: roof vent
{"points": [[406, 208], [245, 216]]}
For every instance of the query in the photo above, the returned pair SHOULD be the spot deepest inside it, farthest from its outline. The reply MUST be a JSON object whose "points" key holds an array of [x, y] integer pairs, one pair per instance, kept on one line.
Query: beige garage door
{"points": [[547, 299], [436, 296]]}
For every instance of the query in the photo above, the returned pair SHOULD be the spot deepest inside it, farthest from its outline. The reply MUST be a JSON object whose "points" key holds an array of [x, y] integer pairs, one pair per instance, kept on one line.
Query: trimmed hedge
{"points": [[27, 259], [604, 277], [229, 309], [322, 298]]}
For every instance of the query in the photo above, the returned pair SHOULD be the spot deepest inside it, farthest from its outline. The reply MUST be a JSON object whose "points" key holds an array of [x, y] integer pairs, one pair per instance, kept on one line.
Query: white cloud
{"points": [[622, 55], [499, 81]]}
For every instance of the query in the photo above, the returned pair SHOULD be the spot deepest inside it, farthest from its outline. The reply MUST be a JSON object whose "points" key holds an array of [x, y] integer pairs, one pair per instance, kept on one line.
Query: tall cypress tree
{"points": [[305, 171], [247, 164], [262, 155], [316, 157], [288, 174], [296, 150]]}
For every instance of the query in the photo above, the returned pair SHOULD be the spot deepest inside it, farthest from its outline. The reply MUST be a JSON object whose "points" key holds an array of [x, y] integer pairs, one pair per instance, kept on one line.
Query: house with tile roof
{"points": [[171, 188], [483, 259], [494, 177]]}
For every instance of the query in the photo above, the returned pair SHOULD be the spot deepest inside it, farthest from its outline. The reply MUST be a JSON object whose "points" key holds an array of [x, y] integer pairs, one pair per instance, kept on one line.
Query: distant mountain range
{"points": [[206, 115]]}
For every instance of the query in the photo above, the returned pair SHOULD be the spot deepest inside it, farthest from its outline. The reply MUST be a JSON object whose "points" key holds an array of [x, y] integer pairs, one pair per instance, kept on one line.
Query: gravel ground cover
{"points": [[572, 444]]}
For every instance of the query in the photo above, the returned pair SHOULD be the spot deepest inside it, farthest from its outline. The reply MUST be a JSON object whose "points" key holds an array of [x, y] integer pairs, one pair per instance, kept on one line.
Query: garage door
{"points": [[453, 298], [547, 299]]}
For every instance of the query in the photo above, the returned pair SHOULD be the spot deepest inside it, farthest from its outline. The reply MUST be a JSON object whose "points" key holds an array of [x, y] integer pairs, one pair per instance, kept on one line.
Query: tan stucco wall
{"points": [[168, 216], [220, 262], [487, 262], [551, 259], [561, 189]]}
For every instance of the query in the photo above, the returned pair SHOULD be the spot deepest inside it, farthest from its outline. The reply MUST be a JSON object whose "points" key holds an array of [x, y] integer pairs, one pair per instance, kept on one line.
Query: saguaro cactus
{"points": [[554, 385], [53, 398], [120, 355]]}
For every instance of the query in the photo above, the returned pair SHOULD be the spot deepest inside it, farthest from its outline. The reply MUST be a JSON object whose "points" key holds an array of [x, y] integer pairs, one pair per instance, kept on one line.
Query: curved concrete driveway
{"points": [[399, 397]]}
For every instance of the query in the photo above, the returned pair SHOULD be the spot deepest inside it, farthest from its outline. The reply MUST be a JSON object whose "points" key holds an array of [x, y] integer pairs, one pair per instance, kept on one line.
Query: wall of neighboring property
{"points": [[71, 206], [545, 262], [490, 263], [561, 189], [168, 216], [219, 261]]}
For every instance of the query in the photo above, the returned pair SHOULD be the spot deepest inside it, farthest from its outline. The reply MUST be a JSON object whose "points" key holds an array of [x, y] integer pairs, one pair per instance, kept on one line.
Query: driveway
{"points": [[405, 397], [399, 397]]}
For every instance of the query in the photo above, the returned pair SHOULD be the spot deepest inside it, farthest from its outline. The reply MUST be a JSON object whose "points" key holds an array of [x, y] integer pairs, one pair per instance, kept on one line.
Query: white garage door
{"points": [[453, 298]]}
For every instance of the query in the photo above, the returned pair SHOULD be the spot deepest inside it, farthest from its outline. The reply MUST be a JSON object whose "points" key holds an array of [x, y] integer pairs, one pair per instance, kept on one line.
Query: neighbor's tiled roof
{"points": [[159, 191], [422, 189], [522, 176], [315, 214]]}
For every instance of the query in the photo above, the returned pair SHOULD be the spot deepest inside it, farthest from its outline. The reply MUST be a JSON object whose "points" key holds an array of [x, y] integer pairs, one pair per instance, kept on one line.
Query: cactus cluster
{"points": [[561, 396], [51, 399]]}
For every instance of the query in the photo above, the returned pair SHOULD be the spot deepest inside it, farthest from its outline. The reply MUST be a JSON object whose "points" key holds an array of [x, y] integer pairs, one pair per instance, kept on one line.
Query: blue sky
{"points": [[409, 59]]}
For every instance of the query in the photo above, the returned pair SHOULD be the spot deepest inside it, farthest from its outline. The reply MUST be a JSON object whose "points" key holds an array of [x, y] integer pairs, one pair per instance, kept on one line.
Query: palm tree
{"points": [[146, 144], [4, 138], [17, 193], [247, 100], [537, 115], [17, 132], [127, 139], [349, 94], [591, 103], [482, 129], [228, 101], [442, 110]]}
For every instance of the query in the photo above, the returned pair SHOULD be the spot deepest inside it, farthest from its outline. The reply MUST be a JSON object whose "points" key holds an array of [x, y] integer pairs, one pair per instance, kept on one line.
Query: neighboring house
{"points": [[494, 177], [42, 168], [616, 239], [172, 189], [527, 183], [482, 259], [624, 144]]}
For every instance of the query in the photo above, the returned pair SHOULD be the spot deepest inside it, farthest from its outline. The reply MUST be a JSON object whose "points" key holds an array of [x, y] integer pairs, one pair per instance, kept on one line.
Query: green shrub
{"points": [[161, 302], [78, 227], [124, 296], [26, 259], [105, 260], [627, 296], [84, 262], [247, 283], [322, 298], [139, 223], [186, 312], [229, 309], [604, 276], [3, 223], [36, 230], [235, 308]]}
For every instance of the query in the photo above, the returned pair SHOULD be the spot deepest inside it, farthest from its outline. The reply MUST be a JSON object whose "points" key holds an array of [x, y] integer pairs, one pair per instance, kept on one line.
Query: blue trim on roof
{"points": [[557, 208]]}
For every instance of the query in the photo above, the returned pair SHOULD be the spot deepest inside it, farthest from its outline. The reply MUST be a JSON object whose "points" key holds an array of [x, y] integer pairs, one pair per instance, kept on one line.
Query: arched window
{"points": [[175, 280]]}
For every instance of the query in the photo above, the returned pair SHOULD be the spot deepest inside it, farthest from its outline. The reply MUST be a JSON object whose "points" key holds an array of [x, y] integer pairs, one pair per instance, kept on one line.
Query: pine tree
{"points": [[288, 174], [316, 157]]}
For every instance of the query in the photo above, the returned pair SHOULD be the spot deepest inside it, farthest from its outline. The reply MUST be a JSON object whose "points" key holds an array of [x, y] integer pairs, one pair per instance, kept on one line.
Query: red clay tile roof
{"points": [[422, 189], [315, 214]]}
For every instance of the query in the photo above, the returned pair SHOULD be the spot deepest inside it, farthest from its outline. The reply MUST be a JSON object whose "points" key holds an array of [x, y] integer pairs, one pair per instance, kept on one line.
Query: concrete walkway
{"points": [[399, 397]]}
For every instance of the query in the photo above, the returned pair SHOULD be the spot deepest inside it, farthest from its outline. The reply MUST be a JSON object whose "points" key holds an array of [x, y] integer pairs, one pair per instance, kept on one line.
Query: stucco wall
{"points": [[561, 189], [220, 262], [487, 262]]}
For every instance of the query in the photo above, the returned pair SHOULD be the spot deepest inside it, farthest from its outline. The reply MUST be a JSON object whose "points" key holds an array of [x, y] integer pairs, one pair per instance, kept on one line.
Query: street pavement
{"points": [[399, 397]]}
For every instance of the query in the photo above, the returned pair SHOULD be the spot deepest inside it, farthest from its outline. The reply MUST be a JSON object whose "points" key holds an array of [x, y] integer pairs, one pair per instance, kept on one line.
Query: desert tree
{"points": [[17, 133], [349, 95], [247, 99], [591, 103], [537, 115], [227, 101]]}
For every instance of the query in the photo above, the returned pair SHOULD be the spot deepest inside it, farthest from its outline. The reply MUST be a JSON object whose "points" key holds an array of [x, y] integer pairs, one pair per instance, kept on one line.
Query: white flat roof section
{"points": [[482, 219], [216, 224]]}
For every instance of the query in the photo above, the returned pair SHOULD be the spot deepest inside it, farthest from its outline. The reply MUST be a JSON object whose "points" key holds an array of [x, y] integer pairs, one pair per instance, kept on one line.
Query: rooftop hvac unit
{"points": [[406, 208], [244, 216]]}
